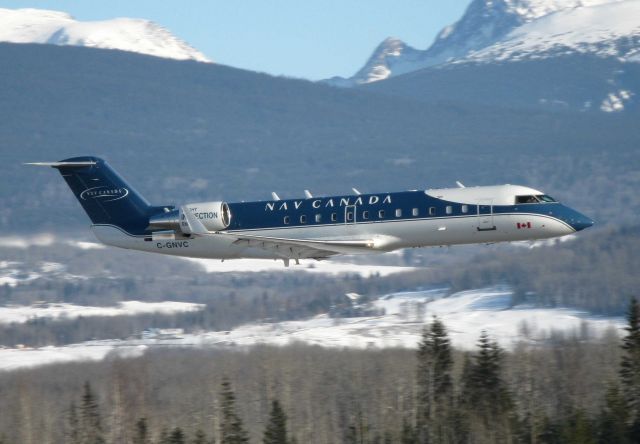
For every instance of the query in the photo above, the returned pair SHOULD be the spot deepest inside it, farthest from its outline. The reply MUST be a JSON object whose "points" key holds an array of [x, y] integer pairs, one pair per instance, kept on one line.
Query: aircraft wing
{"points": [[302, 248], [289, 248]]}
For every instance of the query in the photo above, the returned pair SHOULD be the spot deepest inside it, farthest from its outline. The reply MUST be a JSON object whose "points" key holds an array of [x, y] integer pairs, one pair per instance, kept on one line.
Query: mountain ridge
{"points": [[484, 25], [29, 25]]}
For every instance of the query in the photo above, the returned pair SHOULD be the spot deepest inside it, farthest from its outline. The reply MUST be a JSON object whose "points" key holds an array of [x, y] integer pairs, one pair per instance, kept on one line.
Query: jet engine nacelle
{"points": [[215, 216]]}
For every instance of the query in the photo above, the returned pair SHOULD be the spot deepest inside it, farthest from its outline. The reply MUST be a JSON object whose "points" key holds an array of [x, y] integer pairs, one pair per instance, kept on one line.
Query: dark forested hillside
{"points": [[577, 82], [183, 131]]}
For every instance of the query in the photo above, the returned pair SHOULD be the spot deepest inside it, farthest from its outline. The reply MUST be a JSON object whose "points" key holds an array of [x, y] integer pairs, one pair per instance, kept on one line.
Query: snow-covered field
{"points": [[22, 313], [465, 314]]}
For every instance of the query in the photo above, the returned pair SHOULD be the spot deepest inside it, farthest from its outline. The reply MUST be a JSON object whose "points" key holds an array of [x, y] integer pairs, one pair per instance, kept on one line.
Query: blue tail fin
{"points": [[104, 194]]}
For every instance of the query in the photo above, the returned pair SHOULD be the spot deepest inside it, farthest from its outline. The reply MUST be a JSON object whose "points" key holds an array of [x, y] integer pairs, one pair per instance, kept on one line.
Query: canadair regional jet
{"points": [[313, 227]]}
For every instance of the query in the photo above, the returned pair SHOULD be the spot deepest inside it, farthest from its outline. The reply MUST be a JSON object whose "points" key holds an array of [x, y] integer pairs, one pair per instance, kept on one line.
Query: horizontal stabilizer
{"points": [[63, 164]]}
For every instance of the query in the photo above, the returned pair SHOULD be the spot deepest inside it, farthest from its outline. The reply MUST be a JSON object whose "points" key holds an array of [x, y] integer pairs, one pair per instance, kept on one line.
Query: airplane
{"points": [[313, 227]]}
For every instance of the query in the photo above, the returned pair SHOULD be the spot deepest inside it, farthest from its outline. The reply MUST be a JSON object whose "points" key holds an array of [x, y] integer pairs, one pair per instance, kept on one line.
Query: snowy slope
{"points": [[126, 34], [610, 30], [489, 24], [465, 314]]}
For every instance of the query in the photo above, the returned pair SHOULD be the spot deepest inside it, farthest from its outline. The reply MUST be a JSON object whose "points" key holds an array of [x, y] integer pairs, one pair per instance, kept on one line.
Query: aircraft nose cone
{"points": [[580, 222]]}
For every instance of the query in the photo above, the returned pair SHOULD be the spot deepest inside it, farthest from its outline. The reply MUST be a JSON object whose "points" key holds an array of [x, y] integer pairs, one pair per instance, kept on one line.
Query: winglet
{"points": [[190, 224]]}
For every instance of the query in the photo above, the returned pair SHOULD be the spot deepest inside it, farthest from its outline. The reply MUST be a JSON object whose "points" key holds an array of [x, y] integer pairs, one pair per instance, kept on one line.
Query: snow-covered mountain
{"points": [[608, 30], [501, 30], [126, 34]]}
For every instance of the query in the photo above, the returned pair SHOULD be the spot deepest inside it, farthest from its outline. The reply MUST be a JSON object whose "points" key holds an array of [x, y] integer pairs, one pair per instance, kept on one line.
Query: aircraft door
{"points": [[350, 214], [485, 215]]}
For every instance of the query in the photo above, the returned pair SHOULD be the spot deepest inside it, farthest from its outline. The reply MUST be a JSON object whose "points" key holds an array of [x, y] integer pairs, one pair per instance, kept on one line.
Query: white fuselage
{"points": [[492, 215]]}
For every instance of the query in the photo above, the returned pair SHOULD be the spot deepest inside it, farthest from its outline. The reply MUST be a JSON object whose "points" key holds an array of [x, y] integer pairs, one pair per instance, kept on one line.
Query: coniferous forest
{"points": [[569, 390]]}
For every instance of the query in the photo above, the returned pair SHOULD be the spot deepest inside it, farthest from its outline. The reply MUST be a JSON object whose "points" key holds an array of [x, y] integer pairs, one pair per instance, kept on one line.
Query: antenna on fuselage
{"points": [[275, 196], [460, 184], [355, 190], [307, 194]]}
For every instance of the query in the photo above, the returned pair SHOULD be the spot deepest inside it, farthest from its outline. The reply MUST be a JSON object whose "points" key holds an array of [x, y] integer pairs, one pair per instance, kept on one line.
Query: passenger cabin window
{"points": [[303, 219], [465, 208], [349, 216], [432, 211], [398, 212], [526, 199], [449, 209], [318, 218], [365, 215], [381, 214], [287, 220], [334, 217], [414, 212]]}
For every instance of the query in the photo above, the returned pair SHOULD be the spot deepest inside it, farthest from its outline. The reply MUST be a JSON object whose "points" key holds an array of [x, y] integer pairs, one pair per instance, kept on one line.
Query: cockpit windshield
{"points": [[538, 198], [546, 198]]}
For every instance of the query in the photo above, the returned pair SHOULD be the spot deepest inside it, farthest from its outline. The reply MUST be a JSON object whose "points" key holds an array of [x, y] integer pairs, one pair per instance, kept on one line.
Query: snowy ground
{"points": [[15, 273], [22, 313], [465, 314]]}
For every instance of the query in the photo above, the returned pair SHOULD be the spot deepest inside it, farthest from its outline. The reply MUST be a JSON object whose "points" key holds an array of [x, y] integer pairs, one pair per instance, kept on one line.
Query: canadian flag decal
{"points": [[524, 225]]}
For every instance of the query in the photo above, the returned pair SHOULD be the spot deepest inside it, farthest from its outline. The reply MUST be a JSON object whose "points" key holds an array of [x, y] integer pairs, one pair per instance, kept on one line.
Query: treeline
{"points": [[84, 424], [569, 391], [225, 307]]}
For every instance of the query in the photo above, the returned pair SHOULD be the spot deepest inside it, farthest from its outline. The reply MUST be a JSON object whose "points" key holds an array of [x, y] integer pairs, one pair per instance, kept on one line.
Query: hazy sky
{"points": [[312, 39]]}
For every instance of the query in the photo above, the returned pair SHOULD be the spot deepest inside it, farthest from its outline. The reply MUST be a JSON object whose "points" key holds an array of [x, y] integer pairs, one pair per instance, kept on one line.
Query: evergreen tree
{"points": [[578, 430], [549, 432], [176, 436], [485, 394], [276, 431], [73, 425], [630, 369], [483, 384], [357, 431], [164, 436], [199, 438], [140, 435], [232, 431], [434, 383], [408, 433], [90, 422], [352, 435], [613, 419]]}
